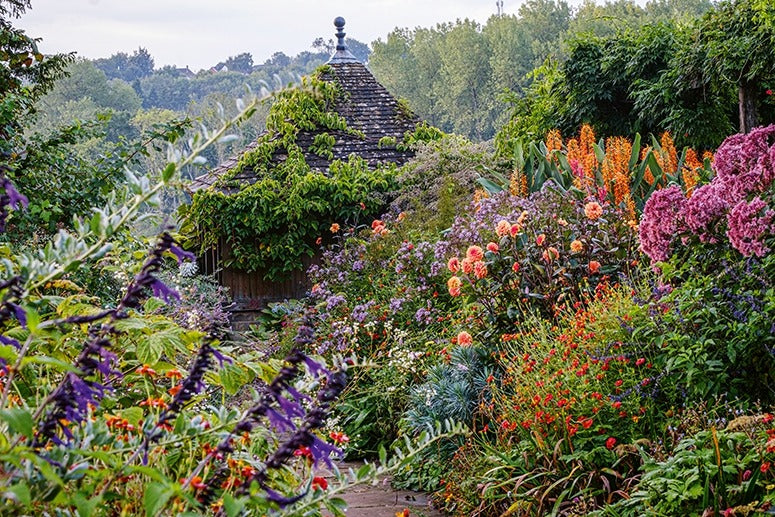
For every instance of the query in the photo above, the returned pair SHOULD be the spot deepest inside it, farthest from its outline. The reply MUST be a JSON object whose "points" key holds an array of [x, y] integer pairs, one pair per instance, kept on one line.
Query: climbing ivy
{"points": [[273, 223]]}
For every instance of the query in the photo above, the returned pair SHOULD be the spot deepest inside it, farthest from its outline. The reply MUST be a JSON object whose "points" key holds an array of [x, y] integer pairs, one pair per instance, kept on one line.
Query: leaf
{"points": [[19, 492], [19, 421], [232, 506], [86, 507], [168, 172], [155, 498]]}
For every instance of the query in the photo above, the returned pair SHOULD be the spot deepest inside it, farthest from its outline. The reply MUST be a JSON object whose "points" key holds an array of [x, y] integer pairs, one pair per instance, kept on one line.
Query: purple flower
{"points": [[703, 211]]}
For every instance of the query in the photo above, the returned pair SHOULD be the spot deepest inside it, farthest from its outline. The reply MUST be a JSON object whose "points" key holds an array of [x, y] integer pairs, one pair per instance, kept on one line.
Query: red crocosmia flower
{"points": [[765, 467], [610, 442], [586, 423], [319, 483], [618, 383], [339, 438], [617, 404]]}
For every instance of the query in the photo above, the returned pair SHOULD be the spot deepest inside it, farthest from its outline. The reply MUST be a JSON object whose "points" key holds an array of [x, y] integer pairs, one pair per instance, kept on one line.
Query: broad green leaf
{"points": [[155, 498], [19, 421]]}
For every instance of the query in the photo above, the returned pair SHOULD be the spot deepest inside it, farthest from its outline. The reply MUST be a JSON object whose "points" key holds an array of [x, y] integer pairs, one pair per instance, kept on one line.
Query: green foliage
{"points": [[288, 194]]}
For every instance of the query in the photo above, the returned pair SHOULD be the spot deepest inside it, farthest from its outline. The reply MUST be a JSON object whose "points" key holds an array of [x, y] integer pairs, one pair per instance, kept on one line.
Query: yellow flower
{"points": [[334, 228]]}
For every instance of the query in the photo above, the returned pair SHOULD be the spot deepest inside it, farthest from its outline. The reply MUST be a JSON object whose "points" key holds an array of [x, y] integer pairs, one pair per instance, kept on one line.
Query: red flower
{"points": [[640, 361], [609, 444], [303, 451], [339, 438], [319, 483], [146, 370], [765, 467], [768, 92]]}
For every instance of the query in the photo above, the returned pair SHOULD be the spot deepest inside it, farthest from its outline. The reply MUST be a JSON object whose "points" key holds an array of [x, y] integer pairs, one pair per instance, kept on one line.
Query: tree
{"points": [[129, 68], [733, 45], [242, 63]]}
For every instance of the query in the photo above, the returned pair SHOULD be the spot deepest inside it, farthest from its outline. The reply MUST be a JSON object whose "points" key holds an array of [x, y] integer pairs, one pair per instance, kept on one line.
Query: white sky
{"points": [[200, 33]]}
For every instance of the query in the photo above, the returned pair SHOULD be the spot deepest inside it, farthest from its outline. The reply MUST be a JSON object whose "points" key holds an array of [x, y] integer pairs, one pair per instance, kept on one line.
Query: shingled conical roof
{"points": [[367, 107]]}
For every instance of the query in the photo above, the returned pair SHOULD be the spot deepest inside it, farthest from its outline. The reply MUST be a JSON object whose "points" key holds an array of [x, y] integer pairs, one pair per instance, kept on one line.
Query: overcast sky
{"points": [[200, 33]]}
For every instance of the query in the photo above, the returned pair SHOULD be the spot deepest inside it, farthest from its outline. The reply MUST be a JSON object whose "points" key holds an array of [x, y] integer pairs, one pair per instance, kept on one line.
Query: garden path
{"points": [[381, 500]]}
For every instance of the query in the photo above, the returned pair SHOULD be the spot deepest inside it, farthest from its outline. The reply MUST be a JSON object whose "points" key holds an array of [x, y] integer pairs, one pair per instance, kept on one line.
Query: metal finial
{"points": [[342, 54], [340, 34]]}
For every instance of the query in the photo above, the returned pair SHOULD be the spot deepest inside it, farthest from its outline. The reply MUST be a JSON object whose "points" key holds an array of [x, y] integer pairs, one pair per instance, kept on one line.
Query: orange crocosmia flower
{"points": [[334, 228], [593, 210], [594, 266], [464, 339], [576, 246]]}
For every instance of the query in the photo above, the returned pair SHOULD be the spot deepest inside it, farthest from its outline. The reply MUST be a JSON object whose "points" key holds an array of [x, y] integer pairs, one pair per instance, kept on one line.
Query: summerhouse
{"points": [[376, 122]]}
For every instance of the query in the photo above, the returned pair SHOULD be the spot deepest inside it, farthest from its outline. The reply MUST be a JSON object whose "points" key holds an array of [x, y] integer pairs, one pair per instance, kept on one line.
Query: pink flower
{"points": [[660, 223], [467, 266], [453, 265], [540, 239], [503, 228], [474, 253], [744, 163], [515, 229], [480, 269], [464, 339], [492, 247], [593, 210], [704, 210], [748, 224]]}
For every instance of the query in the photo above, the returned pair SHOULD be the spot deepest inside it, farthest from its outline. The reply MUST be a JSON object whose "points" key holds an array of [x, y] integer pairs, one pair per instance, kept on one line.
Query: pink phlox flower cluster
{"points": [[748, 223], [703, 210], [744, 164], [660, 222]]}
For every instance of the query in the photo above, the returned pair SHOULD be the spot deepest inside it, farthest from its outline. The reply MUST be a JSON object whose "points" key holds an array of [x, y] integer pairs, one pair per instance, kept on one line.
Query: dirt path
{"points": [[383, 501]]}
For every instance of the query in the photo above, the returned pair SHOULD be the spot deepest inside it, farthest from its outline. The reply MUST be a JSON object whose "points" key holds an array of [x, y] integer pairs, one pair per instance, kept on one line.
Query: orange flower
{"points": [[594, 266], [401, 216], [467, 266], [593, 210], [551, 254], [480, 269], [540, 239], [492, 247], [146, 370], [576, 246], [553, 143], [403, 513], [464, 339], [453, 265], [454, 284], [334, 228], [669, 153], [503, 227], [154, 402], [474, 253], [173, 374], [174, 390], [318, 240]]}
